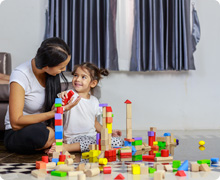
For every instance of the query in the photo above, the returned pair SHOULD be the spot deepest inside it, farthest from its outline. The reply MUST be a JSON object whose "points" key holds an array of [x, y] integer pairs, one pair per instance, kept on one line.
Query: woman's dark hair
{"points": [[94, 71], [51, 53]]}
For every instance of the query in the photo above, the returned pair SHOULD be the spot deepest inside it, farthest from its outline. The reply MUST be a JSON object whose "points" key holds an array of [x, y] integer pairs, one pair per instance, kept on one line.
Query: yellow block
{"points": [[103, 161], [93, 159], [136, 169], [109, 126], [85, 154], [58, 163], [94, 153], [155, 143]]}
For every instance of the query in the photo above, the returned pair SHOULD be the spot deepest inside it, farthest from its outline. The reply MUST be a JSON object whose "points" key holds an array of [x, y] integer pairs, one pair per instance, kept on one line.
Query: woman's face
{"points": [[53, 71]]}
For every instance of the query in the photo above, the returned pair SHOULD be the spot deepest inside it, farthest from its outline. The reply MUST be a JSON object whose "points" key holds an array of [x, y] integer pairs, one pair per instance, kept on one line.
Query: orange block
{"points": [[40, 165], [109, 119]]}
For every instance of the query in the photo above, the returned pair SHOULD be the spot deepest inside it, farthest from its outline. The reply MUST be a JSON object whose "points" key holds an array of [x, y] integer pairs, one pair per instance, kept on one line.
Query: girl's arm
{"points": [[16, 106], [98, 126]]}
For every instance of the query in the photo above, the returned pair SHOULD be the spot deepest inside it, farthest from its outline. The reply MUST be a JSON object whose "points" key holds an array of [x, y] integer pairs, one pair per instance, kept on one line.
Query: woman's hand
{"points": [[116, 133], [71, 104]]}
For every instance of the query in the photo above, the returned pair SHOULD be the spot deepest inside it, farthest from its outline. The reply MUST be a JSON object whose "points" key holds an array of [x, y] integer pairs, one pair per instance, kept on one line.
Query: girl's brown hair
{"points": [[94, 71]]}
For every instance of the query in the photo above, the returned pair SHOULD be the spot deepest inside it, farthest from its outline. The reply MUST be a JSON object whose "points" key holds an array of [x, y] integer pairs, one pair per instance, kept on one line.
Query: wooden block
{"points": [[74, 173], [128, 123], [129, 111], [129, 133], [38, 174], [168, 168], [160, 167], [92, 147], [72, 156], [87, 166], [163, 159], [81, 177], [104, 148], [58, 149], [64, 168], [156, 164], [103, 121], [56, 155], [162, 172], [194, 167], [104, 112], [92, 172], [167, 139], [109, 114], [204, 167], [172, 150], [163, 139], [110, 138], [171, 138], [96, 147], [94, 165], [104, 134], [66, 153], [104, 142], [144, 169], [158, 176], [69, 161], [40, 165], [153, 129], [50, 165], [101, 155], [125, 150], [138, 148], [81, 167]]}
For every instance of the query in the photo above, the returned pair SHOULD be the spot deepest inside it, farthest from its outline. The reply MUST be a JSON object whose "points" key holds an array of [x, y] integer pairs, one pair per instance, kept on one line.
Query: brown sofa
{"points": [[5, 68]]}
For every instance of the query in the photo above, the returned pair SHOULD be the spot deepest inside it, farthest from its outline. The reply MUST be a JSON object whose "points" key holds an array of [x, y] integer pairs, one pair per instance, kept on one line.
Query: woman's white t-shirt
{"points": [[80, 120], [34, 92]]}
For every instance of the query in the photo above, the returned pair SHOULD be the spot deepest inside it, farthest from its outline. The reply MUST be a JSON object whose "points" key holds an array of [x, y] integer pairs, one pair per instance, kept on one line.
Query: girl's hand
{"points": [[116, 133], [71, 104]]}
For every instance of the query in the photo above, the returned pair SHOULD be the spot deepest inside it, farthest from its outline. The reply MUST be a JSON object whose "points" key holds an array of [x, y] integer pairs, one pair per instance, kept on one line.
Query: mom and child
{"points": [[34, 85]]}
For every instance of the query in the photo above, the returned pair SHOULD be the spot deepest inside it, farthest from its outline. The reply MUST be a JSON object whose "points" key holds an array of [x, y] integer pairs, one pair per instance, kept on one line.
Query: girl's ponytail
{"points": [[104, 72]]}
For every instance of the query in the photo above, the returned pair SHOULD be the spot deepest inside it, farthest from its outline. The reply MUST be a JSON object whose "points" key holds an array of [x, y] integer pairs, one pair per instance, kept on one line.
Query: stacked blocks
{"points": [[128, 121]]}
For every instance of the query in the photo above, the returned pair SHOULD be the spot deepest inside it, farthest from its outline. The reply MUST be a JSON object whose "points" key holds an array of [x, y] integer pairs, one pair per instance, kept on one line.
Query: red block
{"points": [[45, 159], [151, 153], [129, 140], [108, 109], [60, 110], [180, 173], [126, 154], [111, 159], [150, 140], [113, 152], [155, 148], [164, 152], [107, 170], [100, 144], [58, 122], [69, 94], [62, 158], [109, 119], [120, 176], [40, 165], [148, 157]]}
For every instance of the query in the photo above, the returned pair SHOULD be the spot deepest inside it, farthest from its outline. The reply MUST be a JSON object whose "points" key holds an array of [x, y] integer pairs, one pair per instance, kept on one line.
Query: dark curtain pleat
{"points": [[88, 27], [162, 38]]}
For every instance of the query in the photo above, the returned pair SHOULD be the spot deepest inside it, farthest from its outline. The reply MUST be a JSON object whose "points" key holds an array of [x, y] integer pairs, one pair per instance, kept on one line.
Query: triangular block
{"points": [[119, 176], [180, 173]]}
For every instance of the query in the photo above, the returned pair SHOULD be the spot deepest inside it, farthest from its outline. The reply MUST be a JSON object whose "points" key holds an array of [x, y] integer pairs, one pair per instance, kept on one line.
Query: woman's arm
{"points": [[16, 106], [98, 126]]}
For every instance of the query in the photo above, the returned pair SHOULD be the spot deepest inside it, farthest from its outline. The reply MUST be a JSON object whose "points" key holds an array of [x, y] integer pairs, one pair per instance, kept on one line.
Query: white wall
{"points": [[167, 100]]}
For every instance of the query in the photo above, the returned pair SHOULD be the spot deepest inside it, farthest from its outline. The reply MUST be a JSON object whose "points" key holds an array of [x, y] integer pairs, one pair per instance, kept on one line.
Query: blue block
{"points": [[133, 153], [167, 134], [58, 135], [56, 160], [214, 160], [150, 133], [184, 166], [58, 128], [58, 101], [127, 143], [133, 149], [103, 105], [177, 142]]}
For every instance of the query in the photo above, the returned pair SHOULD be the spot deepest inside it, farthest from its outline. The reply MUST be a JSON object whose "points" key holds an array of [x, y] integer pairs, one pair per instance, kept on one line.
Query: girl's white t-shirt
{"points": [[34, 92], [80, 120]]}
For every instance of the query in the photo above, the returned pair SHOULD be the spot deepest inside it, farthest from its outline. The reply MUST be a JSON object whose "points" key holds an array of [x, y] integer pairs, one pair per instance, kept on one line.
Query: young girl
{"points": [[80, 123]]}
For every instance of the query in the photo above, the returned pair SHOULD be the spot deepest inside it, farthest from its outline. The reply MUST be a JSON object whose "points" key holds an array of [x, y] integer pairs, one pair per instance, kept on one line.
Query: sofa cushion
{"points": [[4, 92]]}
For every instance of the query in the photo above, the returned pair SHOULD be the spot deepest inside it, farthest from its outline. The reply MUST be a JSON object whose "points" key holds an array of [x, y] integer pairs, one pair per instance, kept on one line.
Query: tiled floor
{"points": [[188, 149]]}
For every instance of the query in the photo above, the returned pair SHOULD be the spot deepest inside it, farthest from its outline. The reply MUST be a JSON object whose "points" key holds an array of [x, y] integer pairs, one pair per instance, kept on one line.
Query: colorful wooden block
{"points": [[58, 173]]}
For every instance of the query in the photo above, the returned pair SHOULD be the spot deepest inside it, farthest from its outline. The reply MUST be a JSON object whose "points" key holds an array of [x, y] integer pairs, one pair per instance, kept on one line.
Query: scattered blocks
{"points": [[180, 173], [119, 176], [58, 173], [194, 167], [184, 166], [204, 167], [136, 169], [40, 165], [107, 170]]}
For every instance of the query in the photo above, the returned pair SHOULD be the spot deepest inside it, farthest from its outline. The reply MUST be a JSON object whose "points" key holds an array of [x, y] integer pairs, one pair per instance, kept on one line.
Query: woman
{"points": [[33, 89]]}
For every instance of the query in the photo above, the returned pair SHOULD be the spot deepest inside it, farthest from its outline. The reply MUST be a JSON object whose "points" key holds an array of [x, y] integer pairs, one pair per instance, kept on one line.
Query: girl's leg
{"points": [[74, 147], [117, 141]]}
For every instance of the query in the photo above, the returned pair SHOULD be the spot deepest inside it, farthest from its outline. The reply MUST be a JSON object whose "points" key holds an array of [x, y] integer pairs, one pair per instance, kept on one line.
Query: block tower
{"points": [[59, 125], [128, 121]]}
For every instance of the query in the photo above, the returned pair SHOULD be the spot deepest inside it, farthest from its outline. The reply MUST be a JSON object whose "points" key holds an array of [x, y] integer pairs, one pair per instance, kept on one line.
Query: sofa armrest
{"points": [[5, 63]]}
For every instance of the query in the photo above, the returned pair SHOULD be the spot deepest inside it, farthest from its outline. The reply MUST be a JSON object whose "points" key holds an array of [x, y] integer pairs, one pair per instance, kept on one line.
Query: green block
{"points": [[137, 143], [175, 170], [58, 173], [161, 144], [176, 163], [59, 143], [137, 157], [58, 105], [158, 154], [204, 161], [151, 170]]}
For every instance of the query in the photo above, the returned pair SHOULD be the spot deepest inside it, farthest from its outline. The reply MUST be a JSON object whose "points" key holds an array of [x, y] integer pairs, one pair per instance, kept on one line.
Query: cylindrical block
{"points": [[107, 170], [81, 176], [103, 161], [92, 172], [45, 159], [164, 152], [62, 158], [150, 140]]}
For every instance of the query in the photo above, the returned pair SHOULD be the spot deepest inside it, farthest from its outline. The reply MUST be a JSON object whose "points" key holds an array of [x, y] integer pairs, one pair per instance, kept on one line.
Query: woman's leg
{"points": [[29, 139], [50, 140]]}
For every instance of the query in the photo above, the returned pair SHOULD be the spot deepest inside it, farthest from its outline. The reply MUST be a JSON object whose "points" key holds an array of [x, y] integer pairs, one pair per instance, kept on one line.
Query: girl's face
{"points": [[53, 71], [82, 81]]}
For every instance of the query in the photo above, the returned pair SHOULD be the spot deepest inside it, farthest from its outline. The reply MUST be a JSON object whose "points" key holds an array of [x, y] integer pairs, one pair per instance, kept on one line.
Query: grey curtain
{"points": [[88, 27], [162, 38]]}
